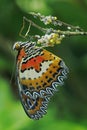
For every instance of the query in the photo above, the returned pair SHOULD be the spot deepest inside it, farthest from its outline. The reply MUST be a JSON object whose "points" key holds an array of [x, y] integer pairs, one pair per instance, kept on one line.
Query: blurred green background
{"points": [[68, 108]]}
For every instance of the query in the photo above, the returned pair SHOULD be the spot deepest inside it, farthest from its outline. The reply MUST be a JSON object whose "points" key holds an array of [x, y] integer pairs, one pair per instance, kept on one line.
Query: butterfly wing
{"points": [[34, 108], [38, 79]]}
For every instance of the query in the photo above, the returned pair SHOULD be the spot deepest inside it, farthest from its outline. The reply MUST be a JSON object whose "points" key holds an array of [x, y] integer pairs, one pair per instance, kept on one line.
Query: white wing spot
{"points": [[32, 73]]}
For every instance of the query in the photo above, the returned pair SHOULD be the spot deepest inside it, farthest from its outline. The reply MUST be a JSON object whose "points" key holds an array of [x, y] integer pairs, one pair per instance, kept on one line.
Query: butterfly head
{"points": [[17, 45]]}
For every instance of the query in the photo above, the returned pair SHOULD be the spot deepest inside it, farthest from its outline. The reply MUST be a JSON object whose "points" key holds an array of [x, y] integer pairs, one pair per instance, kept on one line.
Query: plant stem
{"points": [[68, 33]]}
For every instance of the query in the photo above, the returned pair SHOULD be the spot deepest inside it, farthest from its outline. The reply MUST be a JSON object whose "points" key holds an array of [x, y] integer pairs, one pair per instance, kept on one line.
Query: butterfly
{"points": [[39, 73]]}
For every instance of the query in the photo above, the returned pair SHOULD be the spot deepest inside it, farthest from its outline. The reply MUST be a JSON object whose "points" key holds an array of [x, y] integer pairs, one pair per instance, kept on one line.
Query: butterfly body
{"points": [[39, 72]]}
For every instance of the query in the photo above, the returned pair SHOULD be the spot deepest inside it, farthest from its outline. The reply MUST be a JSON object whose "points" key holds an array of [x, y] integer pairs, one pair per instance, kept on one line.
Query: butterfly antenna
{"points": [[13, 69]]}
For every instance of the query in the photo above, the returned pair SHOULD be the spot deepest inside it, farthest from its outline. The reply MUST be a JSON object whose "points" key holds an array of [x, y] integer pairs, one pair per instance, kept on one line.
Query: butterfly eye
{"points": [[16, 46]]}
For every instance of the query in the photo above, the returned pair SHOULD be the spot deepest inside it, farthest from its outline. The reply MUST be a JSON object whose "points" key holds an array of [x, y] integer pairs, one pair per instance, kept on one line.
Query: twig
{"points": [[53, 20], [68, 33], [79, 31]]}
